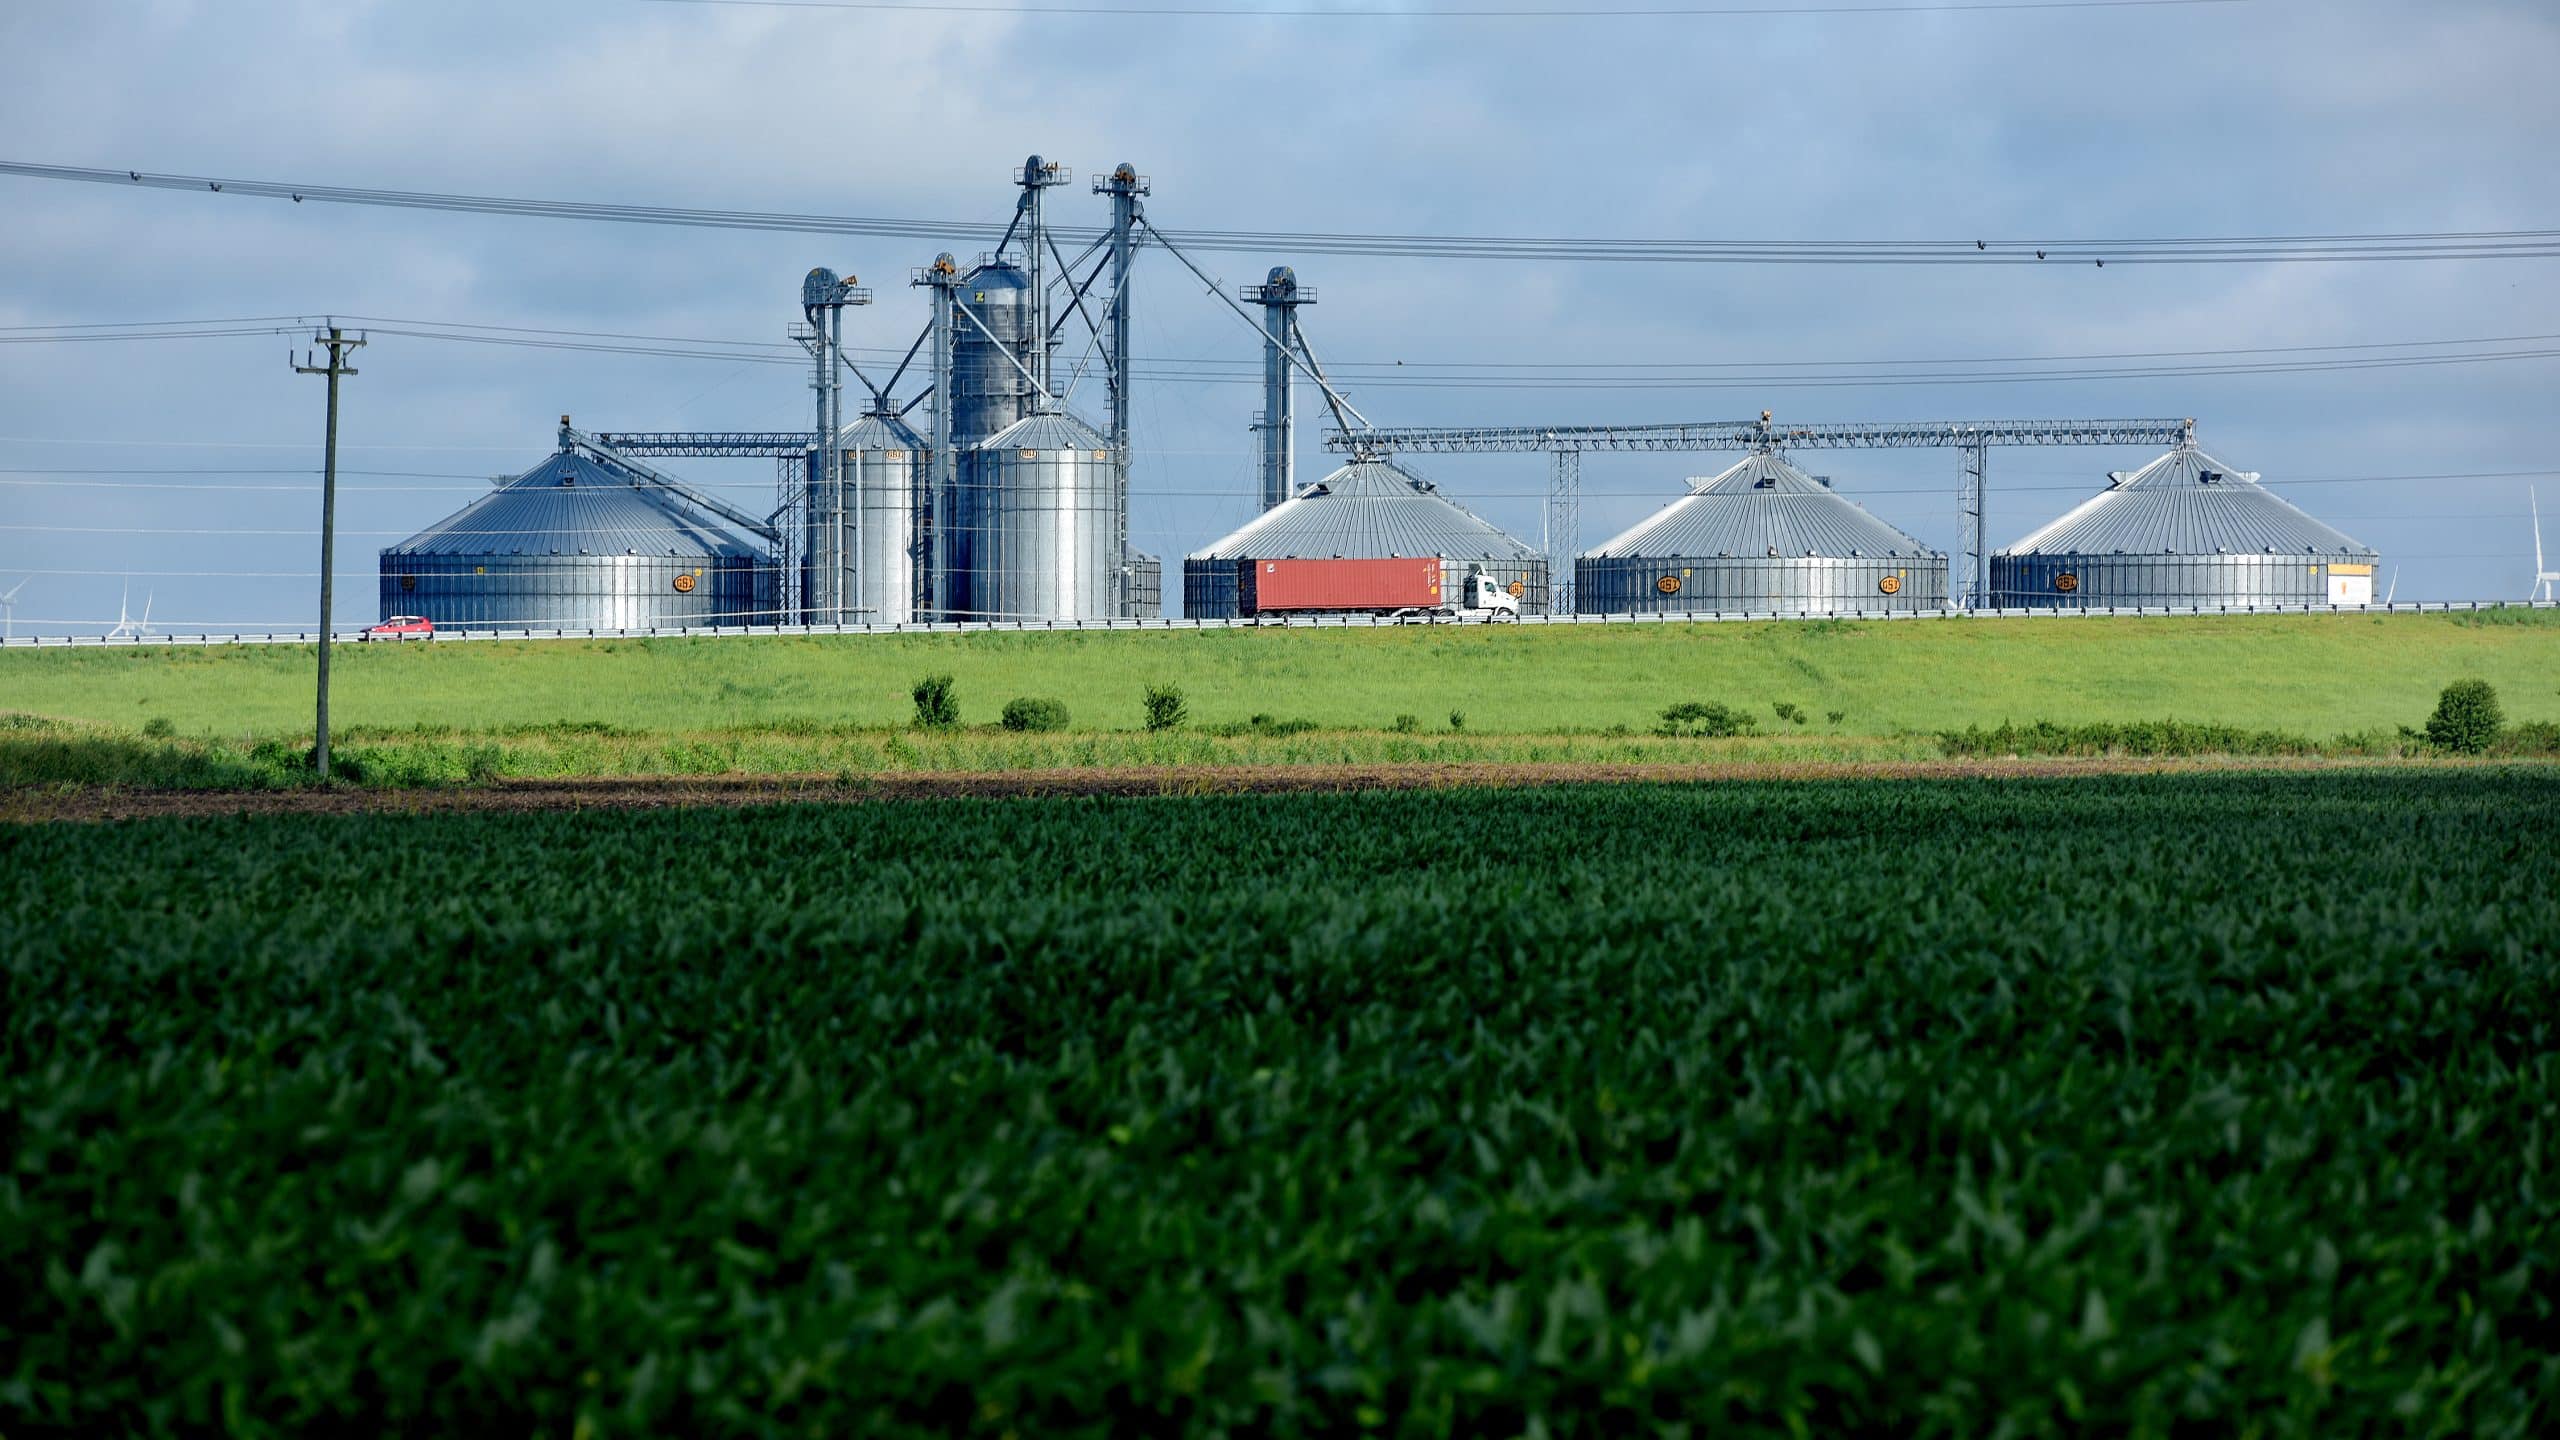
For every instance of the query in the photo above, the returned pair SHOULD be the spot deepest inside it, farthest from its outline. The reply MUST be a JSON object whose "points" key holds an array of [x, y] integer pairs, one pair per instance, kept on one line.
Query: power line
{"points": [[243, 470], [1655, 493], [1381, 375], [981, 7], [791, 354], [1232, 492], [2427, 245]]}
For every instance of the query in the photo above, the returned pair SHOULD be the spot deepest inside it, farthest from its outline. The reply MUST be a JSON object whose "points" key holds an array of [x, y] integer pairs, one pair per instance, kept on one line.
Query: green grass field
{"points": [[2313, 675], [2139, 1106]]}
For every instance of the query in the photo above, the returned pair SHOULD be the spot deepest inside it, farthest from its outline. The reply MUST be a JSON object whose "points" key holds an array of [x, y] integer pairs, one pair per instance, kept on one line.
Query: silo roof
{"points": [[1054, 431], [878, 432], [571, 504], [2186, 503], [1368, 509], [1761, 507]]}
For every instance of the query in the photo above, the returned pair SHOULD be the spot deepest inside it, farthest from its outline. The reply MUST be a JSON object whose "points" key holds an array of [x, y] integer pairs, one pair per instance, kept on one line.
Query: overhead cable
{"points": [[2137, 250]]}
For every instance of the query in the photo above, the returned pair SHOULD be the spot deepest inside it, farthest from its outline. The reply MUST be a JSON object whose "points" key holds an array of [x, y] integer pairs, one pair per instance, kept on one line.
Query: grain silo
{"points": [[1762, 536], [993, 354], [884, 465], [581, 541], [2184, 530], [1032, 533], [1370, 509], [1143, 598]]}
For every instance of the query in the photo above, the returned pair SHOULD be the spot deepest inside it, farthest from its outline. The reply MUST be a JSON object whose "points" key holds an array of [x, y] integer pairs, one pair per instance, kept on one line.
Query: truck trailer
{"points": [[1404, 587]]}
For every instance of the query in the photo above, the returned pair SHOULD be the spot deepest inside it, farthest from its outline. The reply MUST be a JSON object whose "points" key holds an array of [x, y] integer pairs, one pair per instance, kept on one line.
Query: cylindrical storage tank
{"points": [[1143, 598], [884, 468], [1763, 537], [989, 390], [1369, 509], [1033, 534], [2184, 530], [576, 544]]}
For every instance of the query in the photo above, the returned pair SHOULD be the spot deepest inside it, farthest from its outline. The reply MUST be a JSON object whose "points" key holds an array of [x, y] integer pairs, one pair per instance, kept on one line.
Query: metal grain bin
{"points": [[1368, 510], [1032, 534], [1144, 598], [1762, 536], [576, 544], [884, 467], [989, 390], [2183, 530]]}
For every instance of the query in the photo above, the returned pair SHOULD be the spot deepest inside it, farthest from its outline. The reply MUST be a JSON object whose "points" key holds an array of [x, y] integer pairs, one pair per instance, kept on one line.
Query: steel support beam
{"points": [[714, 444], [1564, 529], [933, 520], [1124, 185], [1276, 428], [1971, 439], [1754, 434], [1973, 583], [596, 448]]}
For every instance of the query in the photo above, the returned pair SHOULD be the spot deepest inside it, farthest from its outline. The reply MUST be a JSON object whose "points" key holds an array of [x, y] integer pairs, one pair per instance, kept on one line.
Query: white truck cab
{"points": [[1481, 593]]}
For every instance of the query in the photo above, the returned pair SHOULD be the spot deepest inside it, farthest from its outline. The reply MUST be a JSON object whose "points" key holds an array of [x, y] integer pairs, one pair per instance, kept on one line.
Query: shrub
{"points": [[936, 707], [2467, 718], [159, 727], [1835, 716], [1704, 717], [1407, 724], [2135, 737], [1165, 708], [1032, 712], [1457, 719], [2531, 737], [1789, 711]]}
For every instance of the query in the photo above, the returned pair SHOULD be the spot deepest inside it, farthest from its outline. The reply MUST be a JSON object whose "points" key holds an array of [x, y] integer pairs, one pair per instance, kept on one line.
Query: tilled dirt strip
{"points": [[738, 790]]}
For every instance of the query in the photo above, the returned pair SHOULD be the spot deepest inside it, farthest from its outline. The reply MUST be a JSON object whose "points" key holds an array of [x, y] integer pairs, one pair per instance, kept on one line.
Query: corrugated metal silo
{"points": [[2183, 530], [1145, 595], [989, 388], [1032, 534], [574, 543], [884, 473], [1762, 536], [1369, 509]]}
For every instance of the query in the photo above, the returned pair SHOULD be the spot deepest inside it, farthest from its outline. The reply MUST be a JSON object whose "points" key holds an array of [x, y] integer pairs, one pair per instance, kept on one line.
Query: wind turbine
{"points": [[127, 627], [9, 609], [2542, 579]]}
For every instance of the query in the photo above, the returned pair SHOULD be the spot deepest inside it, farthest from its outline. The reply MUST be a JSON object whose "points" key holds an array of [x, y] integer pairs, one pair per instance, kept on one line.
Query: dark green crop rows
{"points": [[2214, 1105]]}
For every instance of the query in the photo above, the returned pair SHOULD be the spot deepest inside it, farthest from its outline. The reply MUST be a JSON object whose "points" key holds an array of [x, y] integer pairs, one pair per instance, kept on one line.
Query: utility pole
{"points": [[338, 345]]}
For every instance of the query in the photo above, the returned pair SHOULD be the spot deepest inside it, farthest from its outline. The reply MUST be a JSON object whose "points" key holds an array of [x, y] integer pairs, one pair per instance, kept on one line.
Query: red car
{"points": [[400, 627]]}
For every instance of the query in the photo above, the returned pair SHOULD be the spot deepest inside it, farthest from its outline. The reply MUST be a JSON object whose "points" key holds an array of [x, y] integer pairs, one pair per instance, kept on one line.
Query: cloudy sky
{"points": [[185, 469]]}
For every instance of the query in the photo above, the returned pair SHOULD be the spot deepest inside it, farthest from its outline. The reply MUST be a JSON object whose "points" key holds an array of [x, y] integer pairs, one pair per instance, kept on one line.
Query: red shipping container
{"points": [[1266, 587]]}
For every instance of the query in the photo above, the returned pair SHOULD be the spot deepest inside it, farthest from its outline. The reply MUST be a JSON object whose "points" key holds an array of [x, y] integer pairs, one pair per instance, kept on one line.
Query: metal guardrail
{"points": [[1303, 622]]}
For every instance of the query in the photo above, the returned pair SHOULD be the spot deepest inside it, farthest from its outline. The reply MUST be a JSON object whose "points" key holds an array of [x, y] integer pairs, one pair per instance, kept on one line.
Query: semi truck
{"points": [[1400, 587]]}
